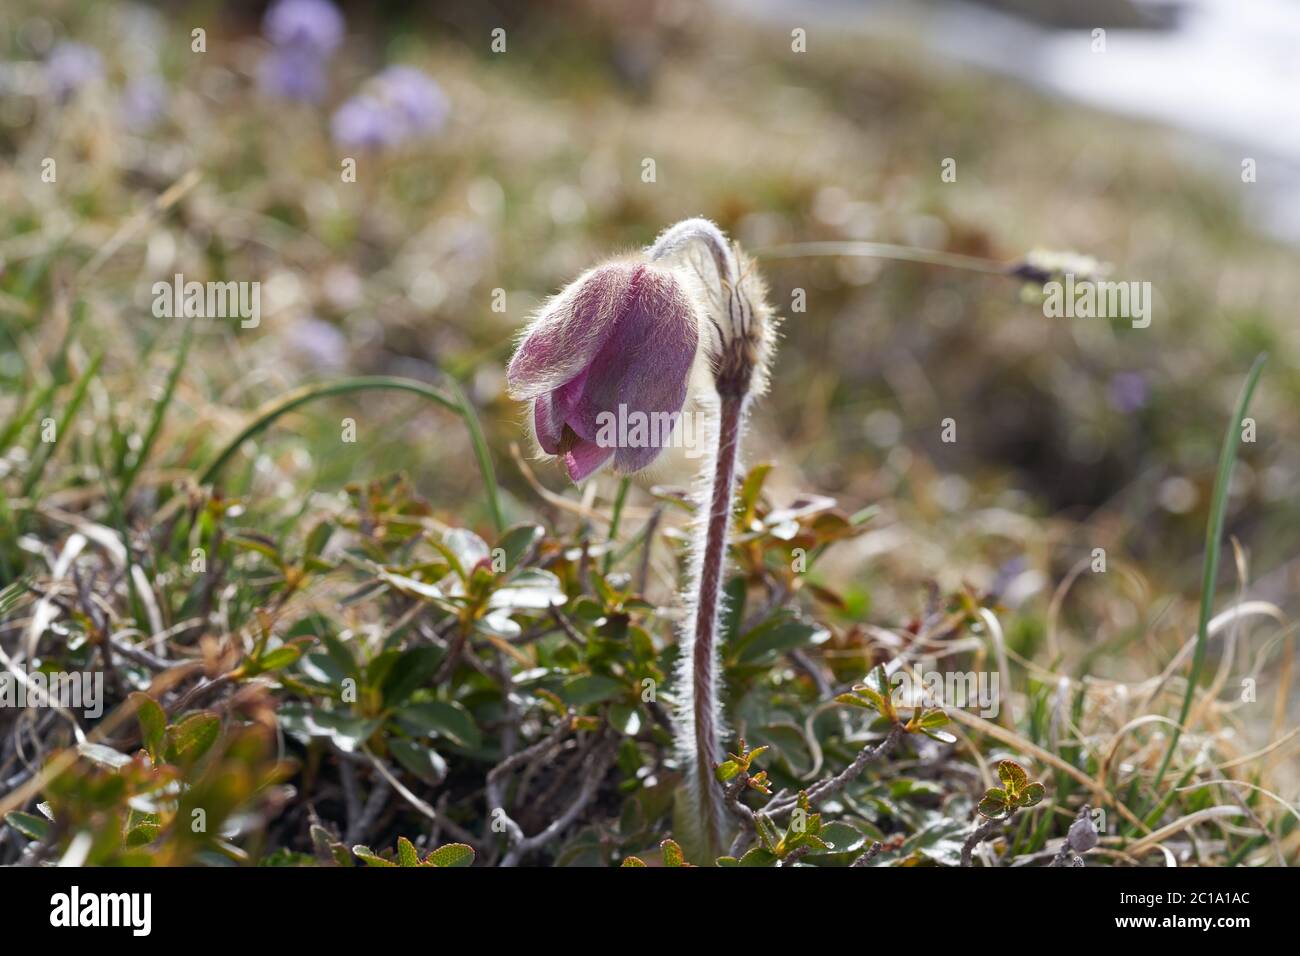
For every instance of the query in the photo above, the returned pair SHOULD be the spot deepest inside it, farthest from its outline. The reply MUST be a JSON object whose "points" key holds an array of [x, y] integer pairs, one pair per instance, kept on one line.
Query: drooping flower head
{"points": [[616, 345]]}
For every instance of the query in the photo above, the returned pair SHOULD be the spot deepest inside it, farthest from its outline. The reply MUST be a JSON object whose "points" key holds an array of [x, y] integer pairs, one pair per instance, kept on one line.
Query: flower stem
{"points": [[704, 679]]}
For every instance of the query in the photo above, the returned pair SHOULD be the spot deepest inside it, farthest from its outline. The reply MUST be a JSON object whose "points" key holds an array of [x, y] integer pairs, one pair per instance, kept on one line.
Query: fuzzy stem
{"points": [[706, 793]]}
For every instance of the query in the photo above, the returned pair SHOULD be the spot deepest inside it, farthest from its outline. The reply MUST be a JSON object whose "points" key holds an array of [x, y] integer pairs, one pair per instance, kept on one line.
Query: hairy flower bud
{"points": [[739, 323]]}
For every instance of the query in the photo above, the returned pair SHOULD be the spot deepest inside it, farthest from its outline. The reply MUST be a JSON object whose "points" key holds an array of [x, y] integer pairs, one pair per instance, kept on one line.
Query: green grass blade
{"points": [[46, 449], [1213, 544], [456, 402], [159, 413], [615, 518], [481, 453]]}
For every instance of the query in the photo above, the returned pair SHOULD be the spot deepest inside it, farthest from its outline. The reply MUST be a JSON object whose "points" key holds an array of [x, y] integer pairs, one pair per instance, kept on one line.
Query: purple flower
{"points": [[398, 105], [293, 73], [320, 344], [71, 67], [1128, 392], [416, 96], [364, 122], [616, 345], [308, 25], [143, 102]]}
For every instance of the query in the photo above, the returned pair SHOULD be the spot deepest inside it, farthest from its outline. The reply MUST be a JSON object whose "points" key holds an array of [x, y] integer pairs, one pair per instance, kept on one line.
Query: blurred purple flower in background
{"points": [[314, 25], [317, 343], [364, 122], [71, 67], [143, 102], [1128, 391], [304, 34], [293, 74], [417, 97], [398, 105]]}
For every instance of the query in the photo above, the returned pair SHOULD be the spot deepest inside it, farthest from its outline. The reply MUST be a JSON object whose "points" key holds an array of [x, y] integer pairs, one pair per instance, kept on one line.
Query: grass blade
{"points": [[1213, 544], [159, 412], [456, 402], [46, 449]]}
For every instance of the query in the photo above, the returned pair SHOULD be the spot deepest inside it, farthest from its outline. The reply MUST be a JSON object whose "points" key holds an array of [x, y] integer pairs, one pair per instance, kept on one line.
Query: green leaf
{"points": [[317, 539], [192, 737], [104, 756], [278, 659], [406, 854], [758, 856], [771, 641], [413, 587], [531, 590], [625, 719], [444, 719], [942, 736], [144, 834], [592, 689], [425, 762], [1032, 795], [1012, 775], [411, 671], [633, 861], [878, 681], [727, 770], [930, 723], [370, 857], [516, 542], [451, 854], [672, 853], [32, 827], [467, 548], [733, 609], [153, 723], [348, 731], [867, 699], [994, 803]]}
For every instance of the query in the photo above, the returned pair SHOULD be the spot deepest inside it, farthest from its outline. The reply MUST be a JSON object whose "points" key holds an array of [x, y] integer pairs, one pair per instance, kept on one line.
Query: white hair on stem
{"points": [[740, 329]]}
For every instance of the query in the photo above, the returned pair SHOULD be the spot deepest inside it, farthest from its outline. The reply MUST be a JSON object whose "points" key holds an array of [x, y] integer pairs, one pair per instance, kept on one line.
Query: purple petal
{"points": [[643, 364], [584, 458], [551, 410], [569, 331]]}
